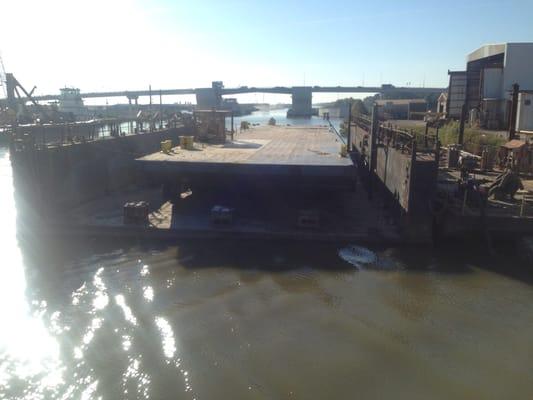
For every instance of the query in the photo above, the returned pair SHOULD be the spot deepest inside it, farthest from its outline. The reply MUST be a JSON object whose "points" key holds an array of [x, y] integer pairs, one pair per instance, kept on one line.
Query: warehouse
{"points": [[402, 109], [488, 80]]}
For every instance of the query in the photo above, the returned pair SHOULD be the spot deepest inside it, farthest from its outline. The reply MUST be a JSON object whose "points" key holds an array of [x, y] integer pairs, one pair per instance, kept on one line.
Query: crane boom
{"points": [[3, 76]]}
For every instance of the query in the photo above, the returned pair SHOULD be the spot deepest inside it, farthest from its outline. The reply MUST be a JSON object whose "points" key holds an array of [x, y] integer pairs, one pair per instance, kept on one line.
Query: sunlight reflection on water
{"points": [[26, 347], [255, 321]]}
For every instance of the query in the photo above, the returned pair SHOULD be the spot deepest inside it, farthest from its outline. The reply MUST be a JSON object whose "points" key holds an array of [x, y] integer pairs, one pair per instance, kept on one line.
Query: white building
{"points": [[490, 73]]}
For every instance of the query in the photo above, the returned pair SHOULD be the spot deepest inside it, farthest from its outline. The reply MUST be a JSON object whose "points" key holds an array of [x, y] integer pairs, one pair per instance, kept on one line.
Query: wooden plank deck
{"points": [[265, 145]]}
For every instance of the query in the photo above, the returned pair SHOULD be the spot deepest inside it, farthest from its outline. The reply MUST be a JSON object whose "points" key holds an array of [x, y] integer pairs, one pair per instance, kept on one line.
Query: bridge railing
{"points": [[37, 136]]}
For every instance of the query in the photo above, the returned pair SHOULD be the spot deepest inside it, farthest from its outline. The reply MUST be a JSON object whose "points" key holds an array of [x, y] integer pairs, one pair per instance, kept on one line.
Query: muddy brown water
{"points": [[241, 320]]}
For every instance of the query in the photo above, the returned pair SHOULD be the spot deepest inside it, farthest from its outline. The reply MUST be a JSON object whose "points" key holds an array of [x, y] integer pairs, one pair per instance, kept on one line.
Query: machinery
{"points": [[17, 97], [506, 184]]}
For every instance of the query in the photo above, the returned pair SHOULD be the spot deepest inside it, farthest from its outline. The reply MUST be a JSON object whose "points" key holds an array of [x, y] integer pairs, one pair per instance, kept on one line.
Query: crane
{"points": [[3, 76]]}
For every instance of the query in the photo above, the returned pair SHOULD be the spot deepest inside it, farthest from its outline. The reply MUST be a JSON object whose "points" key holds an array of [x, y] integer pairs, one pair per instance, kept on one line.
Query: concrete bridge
{"points": [[211, 97]]}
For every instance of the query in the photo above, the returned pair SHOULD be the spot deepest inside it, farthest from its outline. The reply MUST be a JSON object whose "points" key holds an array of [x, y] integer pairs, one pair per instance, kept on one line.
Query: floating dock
{"points": [[267, 175], [264, 150]]}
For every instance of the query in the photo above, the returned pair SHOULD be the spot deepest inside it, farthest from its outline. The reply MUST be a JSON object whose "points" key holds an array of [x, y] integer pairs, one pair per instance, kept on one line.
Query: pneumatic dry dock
{"points": [[274, 179]]}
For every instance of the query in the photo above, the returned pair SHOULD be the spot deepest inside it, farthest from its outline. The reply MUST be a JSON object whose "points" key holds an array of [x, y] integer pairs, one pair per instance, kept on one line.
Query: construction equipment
{"points": [[506, 184], [17, 102]]}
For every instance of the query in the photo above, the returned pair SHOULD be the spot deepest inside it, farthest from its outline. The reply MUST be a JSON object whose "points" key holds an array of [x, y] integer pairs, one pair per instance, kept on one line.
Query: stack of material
{"points": [[187, 142], [136, 213], [485, 161], [221, 215], [166, 146], [344, 150]]}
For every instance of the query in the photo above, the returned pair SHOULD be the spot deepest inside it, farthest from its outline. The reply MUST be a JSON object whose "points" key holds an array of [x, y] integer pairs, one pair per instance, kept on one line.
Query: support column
{"points": [[130, 116], [302, 102], [232, 126]]}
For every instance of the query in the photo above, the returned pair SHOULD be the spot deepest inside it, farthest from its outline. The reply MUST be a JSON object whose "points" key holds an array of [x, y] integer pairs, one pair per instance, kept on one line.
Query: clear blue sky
{"points": [[123, 44]]}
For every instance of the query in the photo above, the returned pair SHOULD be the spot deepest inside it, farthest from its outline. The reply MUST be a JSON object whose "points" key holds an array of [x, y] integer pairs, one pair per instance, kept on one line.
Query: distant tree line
{"points": [[431, 98]]}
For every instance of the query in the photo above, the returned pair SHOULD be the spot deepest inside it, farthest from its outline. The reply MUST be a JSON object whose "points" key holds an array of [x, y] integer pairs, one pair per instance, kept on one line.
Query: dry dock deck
{"points": [[359, 220], [280, 150]]}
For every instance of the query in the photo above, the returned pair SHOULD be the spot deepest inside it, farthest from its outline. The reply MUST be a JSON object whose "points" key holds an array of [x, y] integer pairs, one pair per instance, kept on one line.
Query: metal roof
{"points": [[218, 112], [514, 144], [487, 50], [400, 101]]}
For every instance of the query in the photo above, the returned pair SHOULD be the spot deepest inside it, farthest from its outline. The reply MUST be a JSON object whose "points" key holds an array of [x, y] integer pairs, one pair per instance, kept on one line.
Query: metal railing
{"points": [[342, 138]]}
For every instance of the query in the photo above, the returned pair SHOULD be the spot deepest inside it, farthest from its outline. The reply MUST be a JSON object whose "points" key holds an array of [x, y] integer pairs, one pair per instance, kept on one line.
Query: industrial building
{"points": [[485, 88], [402, 109]]}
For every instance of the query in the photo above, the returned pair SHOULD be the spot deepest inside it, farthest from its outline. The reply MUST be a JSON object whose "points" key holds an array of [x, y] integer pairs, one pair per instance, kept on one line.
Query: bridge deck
{"points": [[265, 149]]}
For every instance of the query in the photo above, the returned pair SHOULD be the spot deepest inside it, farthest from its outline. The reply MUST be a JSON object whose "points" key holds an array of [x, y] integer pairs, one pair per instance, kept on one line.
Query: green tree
{"points": [[358, 108]]}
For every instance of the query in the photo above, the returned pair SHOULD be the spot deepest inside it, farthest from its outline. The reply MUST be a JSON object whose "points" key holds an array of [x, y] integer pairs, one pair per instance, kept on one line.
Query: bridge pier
{"points": [[208, 98], [302, 102]]}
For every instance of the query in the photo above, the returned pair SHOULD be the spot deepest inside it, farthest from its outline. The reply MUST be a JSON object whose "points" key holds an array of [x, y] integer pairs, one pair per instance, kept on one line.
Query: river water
{"points": [[280, 115], [226, 320]]}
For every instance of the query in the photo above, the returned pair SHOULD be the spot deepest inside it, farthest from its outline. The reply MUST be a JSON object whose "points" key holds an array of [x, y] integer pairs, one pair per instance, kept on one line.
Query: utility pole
{"points": [[150, 92], [460, 140], [349, 135], [232, 126], [160, 109], [514, 110]]}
